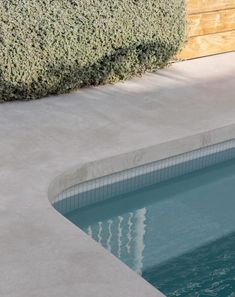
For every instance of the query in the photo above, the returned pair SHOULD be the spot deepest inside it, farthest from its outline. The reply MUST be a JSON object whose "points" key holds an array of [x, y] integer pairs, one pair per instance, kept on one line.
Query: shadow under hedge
{"points": [[64, 74]]}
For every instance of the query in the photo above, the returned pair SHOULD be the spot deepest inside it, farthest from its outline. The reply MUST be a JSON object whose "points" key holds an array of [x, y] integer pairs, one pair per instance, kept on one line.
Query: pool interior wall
{"points": [[178, 234], [173, 224]]}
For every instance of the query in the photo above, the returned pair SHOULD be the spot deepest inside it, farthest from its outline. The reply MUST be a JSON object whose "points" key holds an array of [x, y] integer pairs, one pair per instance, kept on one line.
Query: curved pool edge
{"points": [[86, 171]]}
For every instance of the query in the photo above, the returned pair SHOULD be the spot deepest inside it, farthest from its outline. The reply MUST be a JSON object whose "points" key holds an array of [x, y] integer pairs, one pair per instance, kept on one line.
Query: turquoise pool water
{"points": [[178, 234]]}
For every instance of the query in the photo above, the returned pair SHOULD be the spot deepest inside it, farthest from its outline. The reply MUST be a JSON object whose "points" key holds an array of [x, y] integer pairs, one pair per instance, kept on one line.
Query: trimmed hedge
{"points": [[54, 46]]}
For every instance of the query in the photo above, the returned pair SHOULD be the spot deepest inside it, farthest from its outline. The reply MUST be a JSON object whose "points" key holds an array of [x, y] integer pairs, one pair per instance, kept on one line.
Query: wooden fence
{"points": [[211, 28]]}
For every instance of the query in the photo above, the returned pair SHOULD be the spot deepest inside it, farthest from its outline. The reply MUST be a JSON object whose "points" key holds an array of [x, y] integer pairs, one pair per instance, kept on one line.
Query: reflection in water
{"points": [[178, 234], [120, 219], [128, 244], [139, 239], [130, 224]]}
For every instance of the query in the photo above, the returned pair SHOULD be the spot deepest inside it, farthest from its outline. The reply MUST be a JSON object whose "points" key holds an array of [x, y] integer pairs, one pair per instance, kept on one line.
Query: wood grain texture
{"points": [[206, 45], [211, 22], [197, 6]]}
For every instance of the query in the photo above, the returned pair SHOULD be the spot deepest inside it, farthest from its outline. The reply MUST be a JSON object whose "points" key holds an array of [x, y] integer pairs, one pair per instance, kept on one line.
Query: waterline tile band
{"points": [[96, 190]]}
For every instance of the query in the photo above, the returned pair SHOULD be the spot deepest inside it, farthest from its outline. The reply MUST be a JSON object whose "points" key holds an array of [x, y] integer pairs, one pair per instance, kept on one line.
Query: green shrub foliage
{"points": [[54, 46]]}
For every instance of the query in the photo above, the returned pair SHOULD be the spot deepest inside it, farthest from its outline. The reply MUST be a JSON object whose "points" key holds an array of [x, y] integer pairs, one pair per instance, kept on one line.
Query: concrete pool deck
{"points": [[50, 144]]}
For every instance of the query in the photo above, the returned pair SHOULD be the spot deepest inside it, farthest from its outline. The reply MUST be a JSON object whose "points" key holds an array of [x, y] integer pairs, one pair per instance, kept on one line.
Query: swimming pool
{"points": [[177, 232]]}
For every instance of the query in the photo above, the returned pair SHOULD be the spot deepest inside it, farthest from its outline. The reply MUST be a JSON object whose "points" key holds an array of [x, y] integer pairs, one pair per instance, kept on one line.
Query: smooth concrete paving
{"points": [[49, 144]]}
